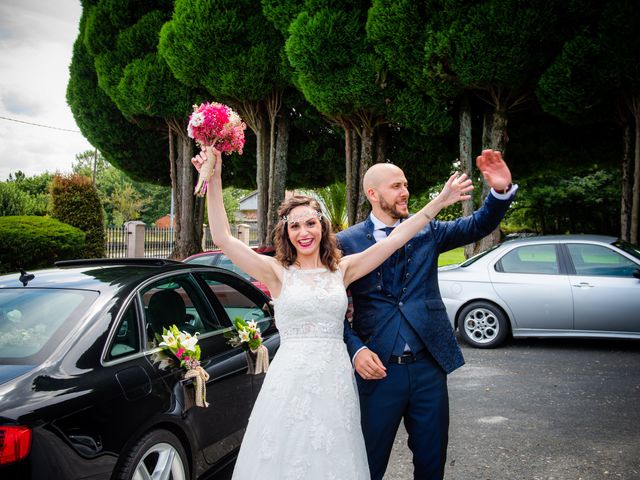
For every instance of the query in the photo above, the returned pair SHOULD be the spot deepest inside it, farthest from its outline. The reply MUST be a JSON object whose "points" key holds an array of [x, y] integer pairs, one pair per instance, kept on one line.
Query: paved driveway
{"points": [[542, 410]]}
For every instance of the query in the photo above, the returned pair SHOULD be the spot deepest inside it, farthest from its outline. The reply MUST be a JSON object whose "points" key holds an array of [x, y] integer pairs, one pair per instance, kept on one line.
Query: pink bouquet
{"points": [[217, 125]]}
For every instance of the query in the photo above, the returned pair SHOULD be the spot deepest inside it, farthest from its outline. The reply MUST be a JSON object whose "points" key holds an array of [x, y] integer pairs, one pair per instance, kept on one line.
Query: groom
{"points": [[400, 340]]}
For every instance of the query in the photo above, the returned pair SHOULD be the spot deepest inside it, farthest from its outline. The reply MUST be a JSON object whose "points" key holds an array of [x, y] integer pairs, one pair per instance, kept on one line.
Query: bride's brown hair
{"points": [[286, 252]]}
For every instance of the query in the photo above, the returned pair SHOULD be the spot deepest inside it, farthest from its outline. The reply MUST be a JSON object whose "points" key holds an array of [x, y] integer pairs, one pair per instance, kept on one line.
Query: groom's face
{"points": [[393, 195]]}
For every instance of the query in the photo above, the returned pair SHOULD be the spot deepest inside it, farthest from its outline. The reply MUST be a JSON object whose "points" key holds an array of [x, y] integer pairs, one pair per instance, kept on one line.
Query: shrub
{"points": [[37, 242], [75, 200], [13, 201]]}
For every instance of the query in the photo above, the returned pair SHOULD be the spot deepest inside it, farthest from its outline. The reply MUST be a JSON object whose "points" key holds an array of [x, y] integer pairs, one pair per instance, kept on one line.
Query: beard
{"points": [[391, 210]]}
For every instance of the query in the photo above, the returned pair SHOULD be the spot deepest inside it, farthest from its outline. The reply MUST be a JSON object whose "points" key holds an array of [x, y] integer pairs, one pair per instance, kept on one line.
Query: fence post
{"points": [[135, 239], [243, 232]]}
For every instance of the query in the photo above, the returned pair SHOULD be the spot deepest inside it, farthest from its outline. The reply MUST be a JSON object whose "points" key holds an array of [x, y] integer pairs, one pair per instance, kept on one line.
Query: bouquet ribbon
{"points": [[262, 359], [200, 377], [206, 172]]}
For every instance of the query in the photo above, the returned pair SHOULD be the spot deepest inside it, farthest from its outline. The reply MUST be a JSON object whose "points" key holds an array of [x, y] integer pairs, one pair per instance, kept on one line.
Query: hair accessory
{"points": [[301, 217]]}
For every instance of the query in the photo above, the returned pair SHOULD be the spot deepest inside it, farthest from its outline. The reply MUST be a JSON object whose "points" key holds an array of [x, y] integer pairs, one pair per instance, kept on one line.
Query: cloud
{"points": [[20, 104], [36, 45]]}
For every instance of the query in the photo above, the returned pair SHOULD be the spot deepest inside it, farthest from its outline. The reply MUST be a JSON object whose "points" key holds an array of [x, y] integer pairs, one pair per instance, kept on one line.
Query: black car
{"points": [[82, 393]]}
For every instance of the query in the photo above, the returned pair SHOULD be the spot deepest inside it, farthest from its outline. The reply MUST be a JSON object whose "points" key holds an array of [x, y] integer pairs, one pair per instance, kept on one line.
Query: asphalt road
{"points": [[541, 409]]}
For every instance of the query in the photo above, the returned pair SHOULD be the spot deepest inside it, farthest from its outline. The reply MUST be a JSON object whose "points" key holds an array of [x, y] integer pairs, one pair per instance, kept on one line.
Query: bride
{"points": [[306, 420]]}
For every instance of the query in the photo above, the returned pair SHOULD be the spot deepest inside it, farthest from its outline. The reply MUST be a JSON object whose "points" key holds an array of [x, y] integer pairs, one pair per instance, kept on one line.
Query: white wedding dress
{"points": [[306, 421]]}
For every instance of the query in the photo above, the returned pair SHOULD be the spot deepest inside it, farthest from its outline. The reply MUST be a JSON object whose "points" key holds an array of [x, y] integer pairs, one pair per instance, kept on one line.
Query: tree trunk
{"points": [[351, 166], [262, 179], [627, 185], [466, 162], [366, 160], [382, 135], [278, 174], [187, 240], [253, 115], [494, 136], [635, 204], [273, 104]]}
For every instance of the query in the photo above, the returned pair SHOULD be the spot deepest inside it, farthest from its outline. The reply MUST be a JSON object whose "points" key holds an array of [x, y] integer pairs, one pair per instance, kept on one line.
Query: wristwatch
{"points": [[506, 190]]}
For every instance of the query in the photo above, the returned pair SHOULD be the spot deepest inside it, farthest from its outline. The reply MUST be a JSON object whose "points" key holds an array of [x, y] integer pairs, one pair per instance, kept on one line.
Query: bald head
{"points": [[387, 191], [378, 173]]}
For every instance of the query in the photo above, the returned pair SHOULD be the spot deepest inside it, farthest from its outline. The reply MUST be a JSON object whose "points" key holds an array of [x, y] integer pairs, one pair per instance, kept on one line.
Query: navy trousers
{"points": [[417, 393]]}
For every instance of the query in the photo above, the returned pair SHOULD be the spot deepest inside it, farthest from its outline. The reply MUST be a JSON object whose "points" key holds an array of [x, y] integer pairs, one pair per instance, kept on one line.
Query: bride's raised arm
{"points": [[261, 267], [357, 265]]}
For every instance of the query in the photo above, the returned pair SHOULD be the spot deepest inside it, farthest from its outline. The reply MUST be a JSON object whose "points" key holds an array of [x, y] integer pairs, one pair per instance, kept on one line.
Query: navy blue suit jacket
{"points": [[377, 310]]}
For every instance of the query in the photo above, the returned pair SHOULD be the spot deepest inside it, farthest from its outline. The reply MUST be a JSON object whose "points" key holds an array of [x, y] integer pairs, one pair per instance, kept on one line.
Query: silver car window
{"points": [[540, 259], [597, 260]]}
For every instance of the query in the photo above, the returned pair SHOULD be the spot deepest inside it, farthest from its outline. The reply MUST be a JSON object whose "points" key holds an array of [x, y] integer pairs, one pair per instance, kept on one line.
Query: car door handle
{"points": [[583, 285]]}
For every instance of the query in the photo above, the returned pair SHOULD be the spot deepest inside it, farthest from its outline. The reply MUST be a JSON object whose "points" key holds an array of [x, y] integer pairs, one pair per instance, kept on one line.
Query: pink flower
{"points": [[217, 124], [180, 352]]}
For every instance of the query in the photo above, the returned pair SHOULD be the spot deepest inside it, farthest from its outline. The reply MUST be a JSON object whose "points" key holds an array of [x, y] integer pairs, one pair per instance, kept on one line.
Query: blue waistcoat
{"points": [[378, 311]]}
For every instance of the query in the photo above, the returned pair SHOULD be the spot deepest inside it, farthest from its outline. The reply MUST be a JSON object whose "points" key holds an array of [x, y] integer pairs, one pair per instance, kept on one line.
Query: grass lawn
{"points": [[452, 256]]}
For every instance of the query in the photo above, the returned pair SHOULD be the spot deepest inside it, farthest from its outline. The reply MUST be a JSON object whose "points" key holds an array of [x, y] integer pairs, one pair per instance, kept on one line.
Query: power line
{"points": [[39, 125]]}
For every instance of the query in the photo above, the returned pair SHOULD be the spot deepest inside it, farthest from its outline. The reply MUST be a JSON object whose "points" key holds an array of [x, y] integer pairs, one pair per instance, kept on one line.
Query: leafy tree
{"points": [[339, 73], [13, 201], [138, 152], [126, 203], [583, 202], [231, 51], [334, 200], [596, 77], [75, 201], [452, 49], [123, 38]]}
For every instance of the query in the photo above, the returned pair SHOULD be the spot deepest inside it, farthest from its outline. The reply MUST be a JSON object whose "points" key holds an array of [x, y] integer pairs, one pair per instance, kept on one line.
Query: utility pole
{"points": [[95, 162]]}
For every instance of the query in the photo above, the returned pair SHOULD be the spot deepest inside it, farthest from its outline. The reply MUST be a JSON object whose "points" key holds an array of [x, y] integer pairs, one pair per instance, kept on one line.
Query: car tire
{"points": [[155, 452], [483, 325]]}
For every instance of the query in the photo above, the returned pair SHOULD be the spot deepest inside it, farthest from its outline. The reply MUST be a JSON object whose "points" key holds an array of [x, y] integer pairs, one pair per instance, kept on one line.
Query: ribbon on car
{"points": [[199, 377], [262, 359]]}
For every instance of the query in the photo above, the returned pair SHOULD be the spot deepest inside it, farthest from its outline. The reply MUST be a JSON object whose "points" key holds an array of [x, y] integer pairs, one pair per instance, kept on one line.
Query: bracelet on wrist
{"points": [[427, 216]]}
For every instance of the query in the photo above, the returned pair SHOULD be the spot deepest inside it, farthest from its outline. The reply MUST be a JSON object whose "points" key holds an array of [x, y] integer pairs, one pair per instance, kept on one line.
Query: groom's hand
{"points": [[368, 365], [494, 169]]}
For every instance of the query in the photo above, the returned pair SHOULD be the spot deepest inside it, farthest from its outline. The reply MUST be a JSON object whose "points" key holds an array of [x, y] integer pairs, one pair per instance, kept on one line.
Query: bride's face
{"points": [[305, 230]]}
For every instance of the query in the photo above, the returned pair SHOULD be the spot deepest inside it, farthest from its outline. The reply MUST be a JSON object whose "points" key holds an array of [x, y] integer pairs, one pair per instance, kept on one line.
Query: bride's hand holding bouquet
{"points": [[215, 126]]}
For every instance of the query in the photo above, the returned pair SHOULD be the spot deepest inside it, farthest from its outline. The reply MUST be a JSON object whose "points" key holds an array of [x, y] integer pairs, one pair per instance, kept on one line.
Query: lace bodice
{"points": [[312, 303]]}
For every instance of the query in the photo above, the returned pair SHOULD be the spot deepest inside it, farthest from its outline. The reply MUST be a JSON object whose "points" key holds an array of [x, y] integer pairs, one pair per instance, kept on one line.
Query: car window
{"points": [[227, 264], [237, 298], [209, 260], [127, 338], [630, 248], [477, 257], [531, 259], [176, 301], [599, 261], [33, 321]]}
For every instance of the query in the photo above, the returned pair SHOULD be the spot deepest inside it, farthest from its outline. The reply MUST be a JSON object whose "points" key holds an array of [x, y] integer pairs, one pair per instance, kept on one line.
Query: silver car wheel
{"points": [[481, 325], [160, 462]]}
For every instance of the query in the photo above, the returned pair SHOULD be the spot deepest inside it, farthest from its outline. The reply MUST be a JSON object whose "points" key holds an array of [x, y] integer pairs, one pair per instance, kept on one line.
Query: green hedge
{"points": [[37, 242], [75, 201]]}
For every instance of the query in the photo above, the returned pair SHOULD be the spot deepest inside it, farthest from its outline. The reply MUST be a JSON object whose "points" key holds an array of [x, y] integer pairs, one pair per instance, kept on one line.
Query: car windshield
{"points": [[477, 257], [34, 320], [628, 247]]}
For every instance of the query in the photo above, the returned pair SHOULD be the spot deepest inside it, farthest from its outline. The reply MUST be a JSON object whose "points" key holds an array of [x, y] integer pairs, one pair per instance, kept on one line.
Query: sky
{"points": [[36, 45]]}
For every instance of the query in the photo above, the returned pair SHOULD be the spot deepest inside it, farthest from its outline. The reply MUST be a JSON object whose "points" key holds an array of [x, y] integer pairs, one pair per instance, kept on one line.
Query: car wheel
{"points": [[482, 325], [159, 454]]}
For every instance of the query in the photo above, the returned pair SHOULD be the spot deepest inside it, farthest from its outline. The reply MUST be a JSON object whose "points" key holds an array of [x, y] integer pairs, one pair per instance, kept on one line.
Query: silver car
{"points": [[548, 286]]}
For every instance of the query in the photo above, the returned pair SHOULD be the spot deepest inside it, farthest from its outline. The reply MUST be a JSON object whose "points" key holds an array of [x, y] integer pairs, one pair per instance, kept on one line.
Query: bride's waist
{"points": [[310, 337]]}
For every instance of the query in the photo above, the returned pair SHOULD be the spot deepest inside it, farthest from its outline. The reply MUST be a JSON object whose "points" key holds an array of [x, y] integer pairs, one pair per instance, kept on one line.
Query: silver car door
{"points": [[529, 279], [605, 292]]}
